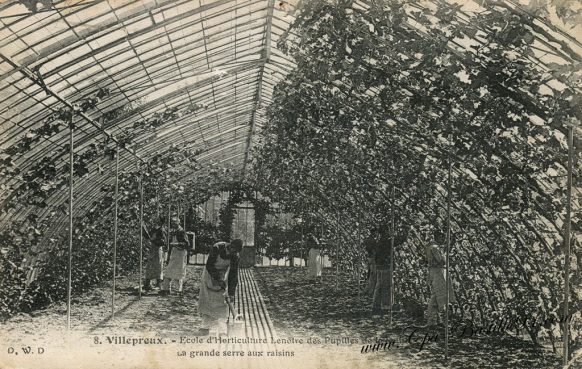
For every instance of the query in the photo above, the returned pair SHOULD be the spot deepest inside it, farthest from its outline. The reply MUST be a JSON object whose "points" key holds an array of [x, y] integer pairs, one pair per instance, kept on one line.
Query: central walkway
{"points": [[250, 304], [259, 332]]}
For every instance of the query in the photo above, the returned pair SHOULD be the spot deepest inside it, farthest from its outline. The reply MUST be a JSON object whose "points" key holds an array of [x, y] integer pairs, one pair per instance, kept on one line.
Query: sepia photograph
{"points": [[286, 184]]}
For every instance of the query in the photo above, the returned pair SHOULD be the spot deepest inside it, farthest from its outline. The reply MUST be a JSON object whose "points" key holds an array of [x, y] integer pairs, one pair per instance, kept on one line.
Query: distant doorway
{"points": [[243, 227]]}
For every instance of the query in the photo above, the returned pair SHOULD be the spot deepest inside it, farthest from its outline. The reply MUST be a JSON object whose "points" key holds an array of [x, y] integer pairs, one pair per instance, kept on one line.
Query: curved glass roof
{"points": [[212, 63]]}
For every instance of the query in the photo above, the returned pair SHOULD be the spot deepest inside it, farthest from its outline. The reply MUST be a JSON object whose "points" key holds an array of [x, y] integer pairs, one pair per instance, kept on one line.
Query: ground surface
{"points": [[91, 311], [298, 308]]}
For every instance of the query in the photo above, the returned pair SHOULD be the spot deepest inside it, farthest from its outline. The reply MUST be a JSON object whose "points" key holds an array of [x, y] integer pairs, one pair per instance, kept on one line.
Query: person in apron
{"points": [[219, 281], [370, 246], [176, 268], [154, 269], [382, 288], [437, 283], [314, 264]]}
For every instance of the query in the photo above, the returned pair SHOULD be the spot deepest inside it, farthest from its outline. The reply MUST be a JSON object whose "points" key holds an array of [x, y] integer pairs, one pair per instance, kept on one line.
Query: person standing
{"points": [[154, 269], [192, 247], [370, 246], [218, 283], [382, 287], [314, 262], [437, 283], [176, 268]]}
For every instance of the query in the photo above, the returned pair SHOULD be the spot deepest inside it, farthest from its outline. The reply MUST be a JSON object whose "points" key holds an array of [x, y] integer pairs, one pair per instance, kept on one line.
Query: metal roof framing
{"points": [[153, 55]]}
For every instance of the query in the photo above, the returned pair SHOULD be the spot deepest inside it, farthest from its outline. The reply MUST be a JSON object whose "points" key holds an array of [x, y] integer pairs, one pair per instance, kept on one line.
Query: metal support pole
{"points": [[70, 265], [448, 246], [158, 204], [247, 226], [140, 233], [302, 238], [115, 231], [168, 233], [360, 242], [566, 328], [337, 253], [321, 261], [392, 230]]}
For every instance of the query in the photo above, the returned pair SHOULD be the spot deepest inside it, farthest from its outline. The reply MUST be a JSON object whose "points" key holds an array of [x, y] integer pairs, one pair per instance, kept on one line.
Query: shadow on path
{"points": [[104, 322]]}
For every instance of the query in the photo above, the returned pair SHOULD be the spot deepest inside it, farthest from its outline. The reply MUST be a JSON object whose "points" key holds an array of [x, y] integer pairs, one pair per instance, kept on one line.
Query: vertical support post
{"points": [[168, 233], [447, 263], [158, 203], [185, 212], [337, 253], [140, 234], [392, 230], [70, 264], [255, 232], [246, 224], [359, 261], [322, 262], [566, 328], [187, 209], [302, 238], [115, 230]]}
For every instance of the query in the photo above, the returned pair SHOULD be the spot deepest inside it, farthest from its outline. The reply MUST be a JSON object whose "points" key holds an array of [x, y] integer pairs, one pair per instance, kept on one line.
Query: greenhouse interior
{"points": [[301, 183]]}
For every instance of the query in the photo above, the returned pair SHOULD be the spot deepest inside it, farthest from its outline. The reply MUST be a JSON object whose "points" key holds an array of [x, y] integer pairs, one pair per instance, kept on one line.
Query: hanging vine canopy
{"points": [[384, 94]]}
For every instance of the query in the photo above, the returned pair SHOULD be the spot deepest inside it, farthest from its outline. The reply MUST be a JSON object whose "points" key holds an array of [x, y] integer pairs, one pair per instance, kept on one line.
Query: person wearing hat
{"points": [[218, 285]]}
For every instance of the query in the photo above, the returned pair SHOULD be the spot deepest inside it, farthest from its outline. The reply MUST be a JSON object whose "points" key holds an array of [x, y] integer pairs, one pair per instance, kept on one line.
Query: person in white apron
{"points": [[176, 268], [314, 262], [437, 283], [219, 281], [382, 287]]}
